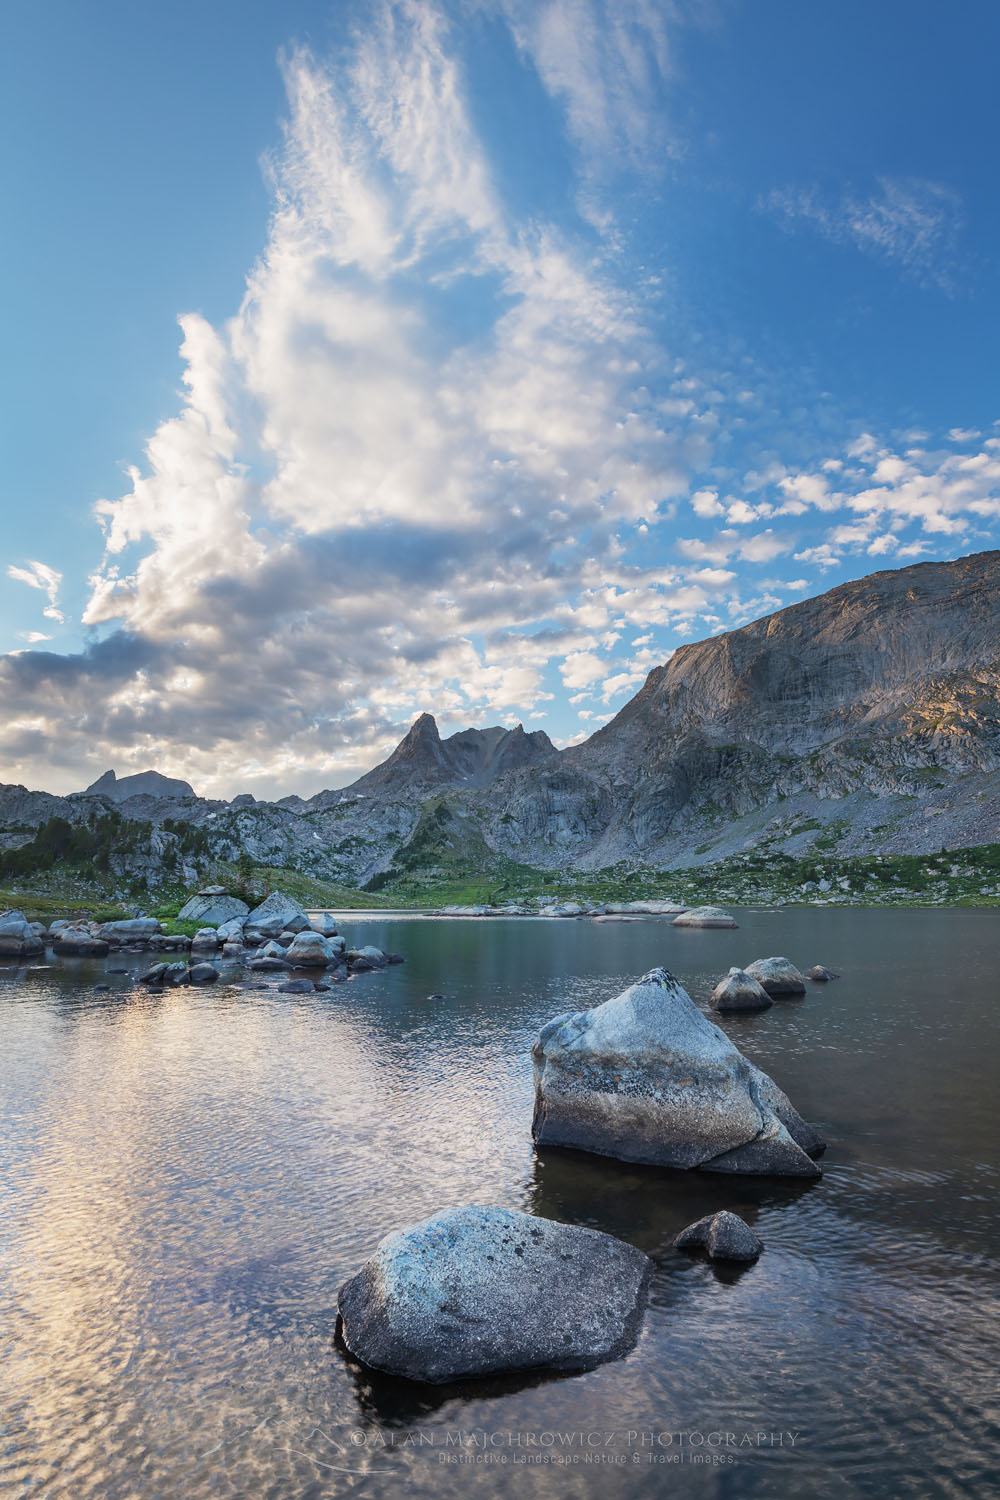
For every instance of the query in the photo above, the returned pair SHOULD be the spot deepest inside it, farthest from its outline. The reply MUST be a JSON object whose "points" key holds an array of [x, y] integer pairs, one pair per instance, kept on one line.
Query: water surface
{"points": [[189, 1176]]}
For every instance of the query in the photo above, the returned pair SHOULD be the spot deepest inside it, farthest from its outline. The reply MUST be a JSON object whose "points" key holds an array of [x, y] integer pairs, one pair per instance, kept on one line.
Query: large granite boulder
{"points": [[18, 939], [739, 991], [212, 907], [724, 1236], [277, 914], [473, 1291], [205, 940], [704, 916], [778, 976], [646, 1077]]}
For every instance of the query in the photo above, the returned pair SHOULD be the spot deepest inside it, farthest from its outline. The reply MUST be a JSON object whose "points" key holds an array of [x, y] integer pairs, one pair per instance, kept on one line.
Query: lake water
{"points": [[189, 1176]]}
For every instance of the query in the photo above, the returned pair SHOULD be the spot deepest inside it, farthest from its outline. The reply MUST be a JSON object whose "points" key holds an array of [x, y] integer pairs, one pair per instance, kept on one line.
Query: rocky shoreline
{"points": [[277, 935]]}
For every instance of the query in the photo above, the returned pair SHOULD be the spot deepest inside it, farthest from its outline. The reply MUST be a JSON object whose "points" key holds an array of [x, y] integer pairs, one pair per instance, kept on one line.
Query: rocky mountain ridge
{"points": [[865, 719]]}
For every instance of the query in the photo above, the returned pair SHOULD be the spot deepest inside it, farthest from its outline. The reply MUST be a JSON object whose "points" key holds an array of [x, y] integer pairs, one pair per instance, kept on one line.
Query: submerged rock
{"points": [[473, 1291], [725, 1236], [203, 974], [704, 916], [739, 991], [820, 975], [297, 987], [646, 1077], [778, 976]]}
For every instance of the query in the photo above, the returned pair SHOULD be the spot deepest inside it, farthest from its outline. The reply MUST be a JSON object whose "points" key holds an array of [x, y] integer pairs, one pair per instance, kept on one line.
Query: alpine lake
{"points": [[189, 1176]]}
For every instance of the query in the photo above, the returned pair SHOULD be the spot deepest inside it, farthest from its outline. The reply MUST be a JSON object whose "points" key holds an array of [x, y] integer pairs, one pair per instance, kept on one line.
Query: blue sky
{"points": [[519, 342]]}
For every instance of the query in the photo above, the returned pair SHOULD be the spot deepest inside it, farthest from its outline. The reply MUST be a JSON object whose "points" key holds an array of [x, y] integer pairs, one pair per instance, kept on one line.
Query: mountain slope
{"points": [[887, 685]]}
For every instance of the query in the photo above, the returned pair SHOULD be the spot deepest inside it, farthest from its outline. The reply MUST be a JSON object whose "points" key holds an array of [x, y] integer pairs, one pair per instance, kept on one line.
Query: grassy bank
{"points": [[957, 877]]}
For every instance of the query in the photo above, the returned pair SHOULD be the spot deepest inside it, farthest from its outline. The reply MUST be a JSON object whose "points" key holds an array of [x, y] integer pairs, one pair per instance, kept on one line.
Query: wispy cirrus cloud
{"points": [[40, 576], [909, 222]]}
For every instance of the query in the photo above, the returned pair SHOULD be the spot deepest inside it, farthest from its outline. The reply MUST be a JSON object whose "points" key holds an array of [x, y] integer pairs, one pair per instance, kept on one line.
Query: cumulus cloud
{"points": [[907, 221], [361, 506]]}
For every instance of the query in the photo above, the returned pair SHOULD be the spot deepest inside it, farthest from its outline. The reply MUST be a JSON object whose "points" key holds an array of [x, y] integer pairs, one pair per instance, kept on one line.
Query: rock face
{"points": [[704, 916], [474, 1291], [778, 976], [213, 908], [277, 914], [739, 991], [724, 1236], [145, 784], [646, 1077]]}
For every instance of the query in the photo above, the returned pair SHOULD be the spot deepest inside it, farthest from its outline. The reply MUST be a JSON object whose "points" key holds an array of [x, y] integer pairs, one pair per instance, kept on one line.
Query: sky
{"points": [[467, 356]]}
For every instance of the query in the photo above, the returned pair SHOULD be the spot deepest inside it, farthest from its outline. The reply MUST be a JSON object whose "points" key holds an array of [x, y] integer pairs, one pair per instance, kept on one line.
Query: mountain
{"points": [[423, 763], [143, 784], [885, 687]]}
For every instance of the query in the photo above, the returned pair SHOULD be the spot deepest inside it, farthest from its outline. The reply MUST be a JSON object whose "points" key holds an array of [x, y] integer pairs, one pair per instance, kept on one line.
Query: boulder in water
{"points": [[739, 991], [778, 976], [646, 1077], [820, 975], [704, 916], [475, 1291], [18, 939], [308, 950], [725, 1236]]}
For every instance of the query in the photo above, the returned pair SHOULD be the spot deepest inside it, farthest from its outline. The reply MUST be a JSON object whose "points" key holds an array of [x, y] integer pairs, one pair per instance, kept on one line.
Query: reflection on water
{"points": [[189, 1176]]}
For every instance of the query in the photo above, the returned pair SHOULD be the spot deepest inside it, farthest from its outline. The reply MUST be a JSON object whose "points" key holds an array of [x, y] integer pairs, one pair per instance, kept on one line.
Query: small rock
{"points": [[473, 1291], [266, 965], [100, 988], [724, 1236], [394, 958], [297, 987], [155, 975], [821, 975]]}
